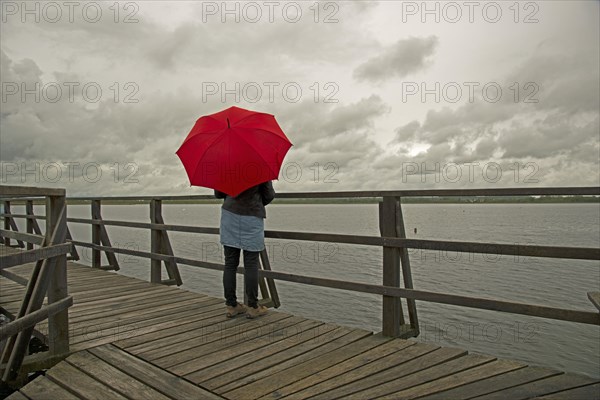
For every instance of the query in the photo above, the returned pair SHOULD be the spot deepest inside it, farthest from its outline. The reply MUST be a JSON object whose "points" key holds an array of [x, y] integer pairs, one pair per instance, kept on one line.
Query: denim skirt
{"points": [[244, 232]]}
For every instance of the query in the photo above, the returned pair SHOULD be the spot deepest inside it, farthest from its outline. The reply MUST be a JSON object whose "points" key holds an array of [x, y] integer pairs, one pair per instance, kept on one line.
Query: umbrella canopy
{"points": [[233, 150]]}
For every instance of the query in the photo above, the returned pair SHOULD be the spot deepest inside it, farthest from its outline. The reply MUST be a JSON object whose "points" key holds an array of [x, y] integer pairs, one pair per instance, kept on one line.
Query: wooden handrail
{"points": [[525, 191], [29, 320]]}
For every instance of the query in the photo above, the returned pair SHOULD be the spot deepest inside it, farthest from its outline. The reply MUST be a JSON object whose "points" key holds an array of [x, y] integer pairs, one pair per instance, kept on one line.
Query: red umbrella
{"points": [[234, 150]]}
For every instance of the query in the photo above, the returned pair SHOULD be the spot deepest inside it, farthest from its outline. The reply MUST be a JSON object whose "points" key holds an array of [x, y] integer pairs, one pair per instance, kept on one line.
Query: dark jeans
{"points": [[232, 260]]}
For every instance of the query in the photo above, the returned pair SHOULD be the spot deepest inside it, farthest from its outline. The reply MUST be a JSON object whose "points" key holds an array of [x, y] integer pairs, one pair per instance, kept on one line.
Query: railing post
{"points": [[96, 255], [406, 274], [6, 221], [155, 241], [30, 220], [393, 317], [58, 324]]}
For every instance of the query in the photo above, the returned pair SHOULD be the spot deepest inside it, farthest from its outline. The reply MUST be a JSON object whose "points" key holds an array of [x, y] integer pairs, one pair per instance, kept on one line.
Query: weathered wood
{"points": [[165, 248], [16, 346], [95, 212], [269, 385], [494, 384], [151, 375], [58, 323], [27, 237], [29, 320], [327, 389], [415, 359], [456, 379], [90, 336], [271, 288], [586, 392], [520, 191], [392, 317], [595, 299], [301, 388], [9, 223], [248, 340], [255, 347], [114, 377], [183, 361], [546, 386], [32, 225], [14, 277], [81, 383], [43, 388], [101, 237], [74, 254], [406, 274], [155, 243], [15, 191], [268, 355], [28, 256], [425, 374], [20, 396]]}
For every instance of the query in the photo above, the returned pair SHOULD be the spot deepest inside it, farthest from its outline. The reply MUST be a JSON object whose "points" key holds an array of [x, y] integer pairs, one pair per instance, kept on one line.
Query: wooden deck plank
{"points": [[191, 337], [292, 355], [183, 362], [141, 295], [456, 379], [21, 396], [127, 311], [496, 383], [541, 387], [341, 338], [581, 393], [81, 383], [127, 305], [191, 329], [222, 361], [161, 380], [42, 388], [200, 305], [321, 389], [121, 330], [363, 359], [269, 385], [428, 374], [235, 366], [113, 377]]}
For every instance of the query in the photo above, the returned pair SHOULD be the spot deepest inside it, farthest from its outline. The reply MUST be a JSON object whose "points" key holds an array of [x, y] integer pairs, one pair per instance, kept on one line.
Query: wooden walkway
{"points": [[132, 339]]}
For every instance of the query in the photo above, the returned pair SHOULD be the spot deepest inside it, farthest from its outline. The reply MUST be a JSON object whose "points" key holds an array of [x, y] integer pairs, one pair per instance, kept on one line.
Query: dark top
{"points": [[251, 201]]}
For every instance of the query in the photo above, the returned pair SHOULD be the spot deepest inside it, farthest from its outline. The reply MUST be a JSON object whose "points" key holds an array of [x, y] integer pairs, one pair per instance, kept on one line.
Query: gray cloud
{"points": [[403, 58]]}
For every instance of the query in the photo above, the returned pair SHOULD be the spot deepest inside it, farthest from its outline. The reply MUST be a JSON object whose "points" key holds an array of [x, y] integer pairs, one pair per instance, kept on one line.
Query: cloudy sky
{"points": [[98, 96]]}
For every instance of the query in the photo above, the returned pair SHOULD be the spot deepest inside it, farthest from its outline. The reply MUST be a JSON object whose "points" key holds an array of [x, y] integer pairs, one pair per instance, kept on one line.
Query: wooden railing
{"points": [[48, 278], [396, 262]]}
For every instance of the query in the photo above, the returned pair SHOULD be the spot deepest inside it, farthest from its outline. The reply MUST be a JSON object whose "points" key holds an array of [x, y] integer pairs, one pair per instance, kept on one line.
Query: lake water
{"points": [[561, 283]]}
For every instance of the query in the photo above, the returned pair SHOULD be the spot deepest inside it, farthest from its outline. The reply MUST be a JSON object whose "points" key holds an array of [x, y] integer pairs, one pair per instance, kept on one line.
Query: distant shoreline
{"points": [[411, 200], [371, 200]]}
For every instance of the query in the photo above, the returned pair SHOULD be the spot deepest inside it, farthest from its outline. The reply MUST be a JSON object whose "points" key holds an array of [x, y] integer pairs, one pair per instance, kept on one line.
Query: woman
{"points": [[242, 228]]}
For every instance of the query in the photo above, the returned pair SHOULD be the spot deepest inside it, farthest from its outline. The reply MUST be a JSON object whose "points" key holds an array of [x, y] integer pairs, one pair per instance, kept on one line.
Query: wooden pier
{"points": [[112, 336], [132, 339]]}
